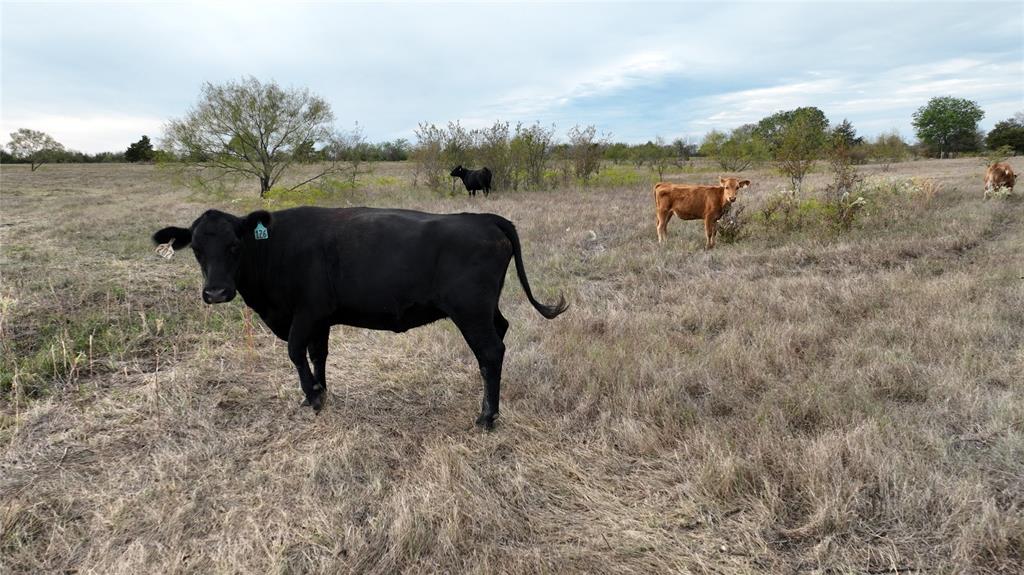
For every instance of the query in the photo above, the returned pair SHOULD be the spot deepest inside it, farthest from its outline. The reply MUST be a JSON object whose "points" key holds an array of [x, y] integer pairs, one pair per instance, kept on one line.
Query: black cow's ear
{"points": [[182, 237], [251, 221]]}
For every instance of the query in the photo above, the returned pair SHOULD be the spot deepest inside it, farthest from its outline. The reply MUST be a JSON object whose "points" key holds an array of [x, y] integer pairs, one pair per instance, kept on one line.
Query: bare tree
{"points": [[251, 128], [36, 147], [351, 150], [428, 154], [585, 150]]}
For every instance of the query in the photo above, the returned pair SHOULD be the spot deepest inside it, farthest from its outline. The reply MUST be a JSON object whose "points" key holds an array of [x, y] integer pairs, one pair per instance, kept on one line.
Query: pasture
{"points": [[802, 398]]}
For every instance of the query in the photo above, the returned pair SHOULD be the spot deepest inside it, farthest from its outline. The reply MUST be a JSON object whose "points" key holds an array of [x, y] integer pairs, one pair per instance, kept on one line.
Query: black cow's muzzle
{"points": [[218, 295]]}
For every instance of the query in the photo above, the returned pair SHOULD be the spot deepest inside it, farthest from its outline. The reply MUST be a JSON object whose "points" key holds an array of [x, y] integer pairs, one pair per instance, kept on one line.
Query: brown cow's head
{"points": [[732, 185]]}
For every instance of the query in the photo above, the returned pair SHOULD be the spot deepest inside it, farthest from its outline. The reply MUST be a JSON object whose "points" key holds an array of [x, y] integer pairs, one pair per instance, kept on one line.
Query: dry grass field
{"points": [[801, 399]]}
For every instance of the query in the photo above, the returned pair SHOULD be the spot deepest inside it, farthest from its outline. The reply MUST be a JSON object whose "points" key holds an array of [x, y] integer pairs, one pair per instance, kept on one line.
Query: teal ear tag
{"points": [[261, 231]]}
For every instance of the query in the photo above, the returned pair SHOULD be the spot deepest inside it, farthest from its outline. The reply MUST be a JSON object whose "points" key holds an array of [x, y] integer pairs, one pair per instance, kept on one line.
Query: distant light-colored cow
{"points": [[695, 202], [999, 175]]}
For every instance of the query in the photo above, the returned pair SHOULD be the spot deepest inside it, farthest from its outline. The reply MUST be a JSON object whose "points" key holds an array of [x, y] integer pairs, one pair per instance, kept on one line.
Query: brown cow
{"points": [[999, 175], [695, 202]]}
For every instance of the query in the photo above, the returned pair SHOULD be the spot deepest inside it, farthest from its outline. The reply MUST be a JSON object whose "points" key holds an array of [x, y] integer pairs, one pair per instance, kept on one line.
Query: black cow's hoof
{"points": [[486, 421], [317, 403]]}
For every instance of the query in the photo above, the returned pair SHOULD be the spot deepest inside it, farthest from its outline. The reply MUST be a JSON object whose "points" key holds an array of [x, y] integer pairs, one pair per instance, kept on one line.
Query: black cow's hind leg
{"points": [[318, 355], [500, 324], [299, 338], [481, 335]]}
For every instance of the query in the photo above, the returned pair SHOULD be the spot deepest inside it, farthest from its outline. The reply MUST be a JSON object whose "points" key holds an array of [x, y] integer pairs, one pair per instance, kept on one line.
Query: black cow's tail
{"points": [[548, 311]]}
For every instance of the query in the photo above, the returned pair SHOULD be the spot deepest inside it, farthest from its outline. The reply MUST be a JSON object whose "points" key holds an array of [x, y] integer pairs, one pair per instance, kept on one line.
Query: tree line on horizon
{"points": [[259, 129]]}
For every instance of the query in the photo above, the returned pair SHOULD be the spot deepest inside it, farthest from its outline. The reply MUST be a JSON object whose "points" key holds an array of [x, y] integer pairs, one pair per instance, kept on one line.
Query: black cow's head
{"points": [[458, 172], [218, 240]]}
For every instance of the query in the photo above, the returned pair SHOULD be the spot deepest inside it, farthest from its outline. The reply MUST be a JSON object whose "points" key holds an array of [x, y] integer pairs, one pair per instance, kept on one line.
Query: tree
{"points": [[395, 150], [658, 155], [531, 148], [617, 152], [251, 128], [35, 147], [947, 124], [141, 151], [772, 129], [350, 149], [736, 151], [799, 144], [682, 150], [889, 148], [493, 150], [585, 150], [845, 135], [1007, 133]]}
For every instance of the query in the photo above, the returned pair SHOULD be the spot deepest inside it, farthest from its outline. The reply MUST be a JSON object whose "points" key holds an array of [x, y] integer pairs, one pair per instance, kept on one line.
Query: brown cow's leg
{"points": [[663, 216], [710, 228]]}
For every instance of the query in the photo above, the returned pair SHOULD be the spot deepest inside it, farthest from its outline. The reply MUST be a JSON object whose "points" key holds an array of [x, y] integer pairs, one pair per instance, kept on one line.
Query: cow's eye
{"points": [[233, 249]]}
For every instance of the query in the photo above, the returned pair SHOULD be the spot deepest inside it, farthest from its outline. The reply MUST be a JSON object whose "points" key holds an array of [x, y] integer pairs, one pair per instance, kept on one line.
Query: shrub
{"points": [[733, 225], [999, 154], [1001, 193]]}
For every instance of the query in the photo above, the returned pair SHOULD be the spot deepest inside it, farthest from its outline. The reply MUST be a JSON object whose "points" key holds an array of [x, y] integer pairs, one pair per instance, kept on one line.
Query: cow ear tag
{"points": [[260, 232], [165, 250]]}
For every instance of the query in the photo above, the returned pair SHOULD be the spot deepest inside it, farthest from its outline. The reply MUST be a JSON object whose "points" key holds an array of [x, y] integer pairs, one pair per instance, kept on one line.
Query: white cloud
{"points": [[636, 69], [873, 99]]}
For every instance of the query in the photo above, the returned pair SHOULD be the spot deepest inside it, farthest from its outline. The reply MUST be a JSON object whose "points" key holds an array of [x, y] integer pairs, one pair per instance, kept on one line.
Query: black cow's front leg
{"points": [[299, 338]]}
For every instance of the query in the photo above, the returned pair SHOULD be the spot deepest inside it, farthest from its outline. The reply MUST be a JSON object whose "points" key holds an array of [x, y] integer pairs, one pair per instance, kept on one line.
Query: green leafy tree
{"points": [[34, 147], [658, 155], [251, 128], [617, 152], [794, 139], [682, 150], [845, 135], [141, 151], [948, 125], [772, 130], [735, 151], [799, 144], [1007, 133], [532, 149]]}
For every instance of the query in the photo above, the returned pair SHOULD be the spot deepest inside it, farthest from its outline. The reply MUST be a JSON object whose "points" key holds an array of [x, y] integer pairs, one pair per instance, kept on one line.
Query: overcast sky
{"points": [[96, 76]]}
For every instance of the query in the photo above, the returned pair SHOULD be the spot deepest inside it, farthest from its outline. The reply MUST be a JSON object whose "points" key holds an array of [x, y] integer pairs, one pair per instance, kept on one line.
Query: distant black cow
{"points": [[306, 269], [474, 179]]}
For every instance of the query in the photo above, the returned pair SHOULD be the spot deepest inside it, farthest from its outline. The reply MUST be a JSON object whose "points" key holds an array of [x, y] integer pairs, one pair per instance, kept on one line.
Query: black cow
{"points": [[306, 269], [474, 179]]}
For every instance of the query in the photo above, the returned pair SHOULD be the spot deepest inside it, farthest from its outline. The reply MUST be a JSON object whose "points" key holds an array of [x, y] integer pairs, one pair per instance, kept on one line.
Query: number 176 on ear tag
{"points": [[261, 232]]}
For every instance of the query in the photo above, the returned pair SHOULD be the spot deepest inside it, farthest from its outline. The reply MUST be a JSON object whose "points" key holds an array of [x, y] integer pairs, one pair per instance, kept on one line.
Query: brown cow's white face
{"points": [[732, 185]]}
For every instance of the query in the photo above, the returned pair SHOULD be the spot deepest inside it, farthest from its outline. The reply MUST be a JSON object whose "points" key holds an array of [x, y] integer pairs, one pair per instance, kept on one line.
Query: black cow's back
{"points": [[379, 268]]}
